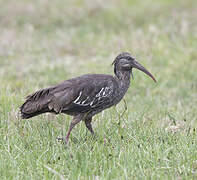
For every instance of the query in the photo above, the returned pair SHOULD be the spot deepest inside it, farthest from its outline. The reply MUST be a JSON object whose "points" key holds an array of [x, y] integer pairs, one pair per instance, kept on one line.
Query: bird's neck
{"points": [[123, 77]]}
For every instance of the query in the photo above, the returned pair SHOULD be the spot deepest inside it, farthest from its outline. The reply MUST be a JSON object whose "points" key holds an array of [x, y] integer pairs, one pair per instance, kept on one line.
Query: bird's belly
{"points": [[76, 109]]}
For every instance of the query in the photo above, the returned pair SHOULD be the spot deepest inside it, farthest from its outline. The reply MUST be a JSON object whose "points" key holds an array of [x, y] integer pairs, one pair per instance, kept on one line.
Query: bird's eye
{"points": [[124, 60]]}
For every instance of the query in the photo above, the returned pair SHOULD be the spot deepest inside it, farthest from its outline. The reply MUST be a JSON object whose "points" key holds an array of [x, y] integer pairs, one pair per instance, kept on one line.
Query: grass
{"points": [[45, 42]]}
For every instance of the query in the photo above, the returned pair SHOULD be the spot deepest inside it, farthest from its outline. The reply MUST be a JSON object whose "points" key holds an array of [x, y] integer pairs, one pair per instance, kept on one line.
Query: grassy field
{"points": [[44, 42]]}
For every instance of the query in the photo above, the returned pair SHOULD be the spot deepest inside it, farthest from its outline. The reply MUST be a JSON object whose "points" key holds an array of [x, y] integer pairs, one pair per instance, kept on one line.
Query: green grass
{"points": [[45, 42]]}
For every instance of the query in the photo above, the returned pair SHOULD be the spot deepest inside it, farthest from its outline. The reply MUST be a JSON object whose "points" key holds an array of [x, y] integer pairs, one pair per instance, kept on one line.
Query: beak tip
{"points": [[140, 67]]}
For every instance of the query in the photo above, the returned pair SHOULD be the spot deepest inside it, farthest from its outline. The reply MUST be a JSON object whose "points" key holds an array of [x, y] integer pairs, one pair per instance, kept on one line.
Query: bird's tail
{"points": [[35, 104], [27, 115]]}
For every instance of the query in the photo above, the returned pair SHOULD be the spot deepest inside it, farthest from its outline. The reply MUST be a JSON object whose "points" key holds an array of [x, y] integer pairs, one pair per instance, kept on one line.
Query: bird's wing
{"points": [[99, 96], [75, 95], [61, 98], [81, 96]]}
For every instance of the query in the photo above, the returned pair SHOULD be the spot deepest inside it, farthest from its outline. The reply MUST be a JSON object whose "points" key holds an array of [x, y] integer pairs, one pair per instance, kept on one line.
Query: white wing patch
{"points": [[104, 92], [79, 102], [78, 97], [100, 93]]}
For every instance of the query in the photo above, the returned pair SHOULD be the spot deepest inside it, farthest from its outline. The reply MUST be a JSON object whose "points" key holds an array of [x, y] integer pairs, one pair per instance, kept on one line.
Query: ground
{"points": [[44, 42]]}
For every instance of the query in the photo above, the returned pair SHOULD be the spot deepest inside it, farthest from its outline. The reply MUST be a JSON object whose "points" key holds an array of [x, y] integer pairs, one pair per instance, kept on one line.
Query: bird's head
{"points": [[125, 62]]}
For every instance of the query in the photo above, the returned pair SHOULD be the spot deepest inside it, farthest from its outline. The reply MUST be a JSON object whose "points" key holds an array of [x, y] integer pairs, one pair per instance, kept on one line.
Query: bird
{"points": [[84, 96]]}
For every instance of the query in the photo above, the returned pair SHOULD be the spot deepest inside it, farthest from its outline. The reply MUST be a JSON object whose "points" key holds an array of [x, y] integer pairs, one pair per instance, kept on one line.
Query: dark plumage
{"points": [[84, 96]]}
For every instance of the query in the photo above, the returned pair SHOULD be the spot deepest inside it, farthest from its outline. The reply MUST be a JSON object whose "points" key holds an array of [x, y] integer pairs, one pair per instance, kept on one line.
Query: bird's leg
{"points": [[75, 121], [89, 125]]}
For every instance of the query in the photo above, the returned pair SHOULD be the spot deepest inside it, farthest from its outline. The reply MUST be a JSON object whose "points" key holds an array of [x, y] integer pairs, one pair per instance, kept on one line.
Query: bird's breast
{"points": [[120, 91]]}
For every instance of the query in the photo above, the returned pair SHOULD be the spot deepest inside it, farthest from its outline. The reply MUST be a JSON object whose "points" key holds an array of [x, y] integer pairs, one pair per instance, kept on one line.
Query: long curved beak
{"points": [[137, 65]]}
